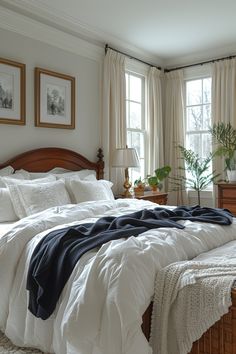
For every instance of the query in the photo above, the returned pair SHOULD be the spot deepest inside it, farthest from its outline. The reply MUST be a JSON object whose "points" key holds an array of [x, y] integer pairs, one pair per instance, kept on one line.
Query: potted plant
{"points": [[198, 175], [139, 186], [160, 174], [225, 136]]}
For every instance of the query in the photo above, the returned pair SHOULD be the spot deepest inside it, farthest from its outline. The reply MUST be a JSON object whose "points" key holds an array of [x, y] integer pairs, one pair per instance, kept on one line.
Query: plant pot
{"points": [[138, 191], [231, 175], [154, 188]]}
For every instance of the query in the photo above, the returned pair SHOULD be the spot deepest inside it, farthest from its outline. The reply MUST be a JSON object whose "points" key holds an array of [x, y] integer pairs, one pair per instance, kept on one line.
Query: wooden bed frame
{"points": [[44, 159], [218, 339], [221, 337]]}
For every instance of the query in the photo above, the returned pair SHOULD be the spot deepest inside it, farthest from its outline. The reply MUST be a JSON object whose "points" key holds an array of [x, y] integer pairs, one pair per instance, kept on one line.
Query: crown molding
{"points": [[199, 57], [21, 24], [43, 13]]}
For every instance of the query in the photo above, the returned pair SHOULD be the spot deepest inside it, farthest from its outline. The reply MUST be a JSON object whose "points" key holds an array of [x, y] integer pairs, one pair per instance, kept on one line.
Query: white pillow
{"points": [[33, 175], [83, 191], [16, 177], [8, 180], [28, 198], [66, 178], [82, 174], [7, 212], [6, 171]]}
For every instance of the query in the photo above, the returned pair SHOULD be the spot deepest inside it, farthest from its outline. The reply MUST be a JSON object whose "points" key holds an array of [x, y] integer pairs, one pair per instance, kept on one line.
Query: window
{"points": [[135, 118], [198, 116]]}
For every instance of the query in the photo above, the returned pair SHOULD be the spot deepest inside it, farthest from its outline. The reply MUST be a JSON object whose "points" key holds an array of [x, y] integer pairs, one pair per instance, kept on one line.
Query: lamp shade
{"points": [[126, 157]]}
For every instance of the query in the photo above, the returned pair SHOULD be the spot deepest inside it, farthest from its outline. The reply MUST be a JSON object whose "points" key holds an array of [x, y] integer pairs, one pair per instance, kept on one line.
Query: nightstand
{"points": [[155, 197], [227, 196]]}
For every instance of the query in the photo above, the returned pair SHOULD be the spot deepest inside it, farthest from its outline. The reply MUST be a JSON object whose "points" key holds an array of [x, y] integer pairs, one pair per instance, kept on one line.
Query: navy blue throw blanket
{"points": [[55, 256]]}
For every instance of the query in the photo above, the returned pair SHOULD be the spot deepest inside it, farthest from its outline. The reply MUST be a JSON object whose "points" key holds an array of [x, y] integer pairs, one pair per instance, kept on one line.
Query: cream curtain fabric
{"points": [[114, 117], [223, 102], [174, 129], [155, 120]]}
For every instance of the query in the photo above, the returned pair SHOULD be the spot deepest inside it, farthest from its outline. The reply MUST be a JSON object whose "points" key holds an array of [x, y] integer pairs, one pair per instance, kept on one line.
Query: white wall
{"points": [[86, 138]]}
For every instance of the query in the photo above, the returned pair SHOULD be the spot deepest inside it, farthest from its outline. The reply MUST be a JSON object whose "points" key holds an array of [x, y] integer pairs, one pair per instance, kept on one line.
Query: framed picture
{"points": [[54, 99], [12, 92]]}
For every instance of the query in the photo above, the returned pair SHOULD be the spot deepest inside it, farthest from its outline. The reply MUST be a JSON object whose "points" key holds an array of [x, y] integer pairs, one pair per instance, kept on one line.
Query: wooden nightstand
{"points": [[227, 196], [155, 197]]}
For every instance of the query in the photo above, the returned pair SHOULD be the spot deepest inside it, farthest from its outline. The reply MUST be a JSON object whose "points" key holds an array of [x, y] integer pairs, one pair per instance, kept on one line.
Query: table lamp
{"points": [[126, 157]]}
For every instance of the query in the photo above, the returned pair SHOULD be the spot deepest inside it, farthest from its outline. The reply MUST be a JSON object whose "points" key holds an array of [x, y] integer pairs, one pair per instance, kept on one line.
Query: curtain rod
{"points": [[201, 63], [131, 57]]}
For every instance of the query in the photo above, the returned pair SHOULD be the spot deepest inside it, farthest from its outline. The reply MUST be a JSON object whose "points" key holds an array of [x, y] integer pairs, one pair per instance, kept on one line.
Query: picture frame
{"points": [[54, 99], [12, 92]]}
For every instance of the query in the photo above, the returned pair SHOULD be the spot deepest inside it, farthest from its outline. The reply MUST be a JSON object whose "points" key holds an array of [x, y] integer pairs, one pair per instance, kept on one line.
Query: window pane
{"points": [[194, 118], [194, 143], [136, 173], [136, 140], [207, 90], [135, 88], [206, 117], [194, 92], [206, 144], [135, 116], [129, 139]]}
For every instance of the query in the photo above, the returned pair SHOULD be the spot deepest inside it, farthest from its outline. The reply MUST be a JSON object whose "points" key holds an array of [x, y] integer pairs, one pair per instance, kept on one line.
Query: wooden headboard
{"points": [[44, 159]]}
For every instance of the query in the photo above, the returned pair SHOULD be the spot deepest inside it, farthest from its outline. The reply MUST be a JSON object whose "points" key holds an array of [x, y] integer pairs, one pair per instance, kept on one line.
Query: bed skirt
{"points": [[218, 339]]}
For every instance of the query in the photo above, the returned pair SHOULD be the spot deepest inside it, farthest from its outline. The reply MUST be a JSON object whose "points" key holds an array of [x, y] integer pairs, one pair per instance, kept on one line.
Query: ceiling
{"points": [[173, 32]]}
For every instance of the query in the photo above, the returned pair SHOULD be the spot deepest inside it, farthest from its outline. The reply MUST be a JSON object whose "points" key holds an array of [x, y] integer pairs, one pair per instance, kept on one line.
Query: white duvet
{"points": [[100, 309]]}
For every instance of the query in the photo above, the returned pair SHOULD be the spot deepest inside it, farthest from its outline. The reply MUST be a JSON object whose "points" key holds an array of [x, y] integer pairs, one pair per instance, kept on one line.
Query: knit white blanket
{"points": [[189, 298]]}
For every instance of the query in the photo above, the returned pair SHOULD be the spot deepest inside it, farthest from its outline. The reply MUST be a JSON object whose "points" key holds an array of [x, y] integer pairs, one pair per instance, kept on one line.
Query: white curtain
{"points": [[223, 101], [114, 114], [174, 129], [155, 121]]}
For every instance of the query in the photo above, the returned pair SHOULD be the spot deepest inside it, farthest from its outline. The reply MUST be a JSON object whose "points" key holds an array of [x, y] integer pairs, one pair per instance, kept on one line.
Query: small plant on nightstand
{"points": [[160, 174], [139, 186]]}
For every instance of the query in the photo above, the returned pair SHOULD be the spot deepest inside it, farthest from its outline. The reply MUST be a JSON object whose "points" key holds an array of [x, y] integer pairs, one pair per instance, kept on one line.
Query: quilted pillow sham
{"points": [[14, 177], [32, 198], [6, 171], [21, 180], [83, 191]]}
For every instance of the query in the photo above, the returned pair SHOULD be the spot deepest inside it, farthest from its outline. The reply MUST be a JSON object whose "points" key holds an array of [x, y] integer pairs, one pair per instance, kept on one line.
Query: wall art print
{"points": [[12, 92], [54, 99]]}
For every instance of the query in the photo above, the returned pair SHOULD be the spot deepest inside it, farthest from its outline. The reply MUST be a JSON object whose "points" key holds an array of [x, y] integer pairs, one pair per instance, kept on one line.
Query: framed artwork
{"points": [[54, 99], [12, 92]]}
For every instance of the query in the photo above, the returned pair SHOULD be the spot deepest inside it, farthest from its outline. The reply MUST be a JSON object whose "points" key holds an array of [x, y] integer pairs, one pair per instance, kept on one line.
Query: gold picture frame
{"points": [[54, 99], [12, 92]]}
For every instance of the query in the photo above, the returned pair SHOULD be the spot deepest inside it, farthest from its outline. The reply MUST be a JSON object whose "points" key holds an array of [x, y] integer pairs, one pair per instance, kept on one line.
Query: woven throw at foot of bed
{"points": [[6, 347]]}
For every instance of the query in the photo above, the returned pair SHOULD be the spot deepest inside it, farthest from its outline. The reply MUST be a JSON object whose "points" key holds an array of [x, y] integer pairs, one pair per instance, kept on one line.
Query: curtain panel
{"points": [[223, 104], [174, 130], [155, 148], [114, 114]]}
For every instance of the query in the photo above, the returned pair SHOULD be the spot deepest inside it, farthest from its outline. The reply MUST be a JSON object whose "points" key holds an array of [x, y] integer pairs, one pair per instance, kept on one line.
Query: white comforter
{"points": [[100, 309]]}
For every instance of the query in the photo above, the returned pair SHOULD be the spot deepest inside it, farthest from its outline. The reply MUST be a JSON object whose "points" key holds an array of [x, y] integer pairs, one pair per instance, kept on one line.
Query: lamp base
{"points": [[127, 194], [127, 185]]}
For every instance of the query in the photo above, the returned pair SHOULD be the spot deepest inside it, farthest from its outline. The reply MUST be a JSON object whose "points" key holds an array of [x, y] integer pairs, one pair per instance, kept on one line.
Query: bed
{"points": [[116, 325]]}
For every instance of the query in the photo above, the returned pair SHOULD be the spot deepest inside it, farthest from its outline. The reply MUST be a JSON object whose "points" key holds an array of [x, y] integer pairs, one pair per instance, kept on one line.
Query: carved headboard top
{"points": [[44, 159]]}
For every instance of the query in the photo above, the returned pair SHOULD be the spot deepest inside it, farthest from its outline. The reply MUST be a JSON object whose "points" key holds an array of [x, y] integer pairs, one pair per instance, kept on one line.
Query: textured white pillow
{"points": [[8, 180], [6, 171], [34, 175], [83, 191], [67, 178], [16, 177], [7, 212], [31, 198], [82, 174]]}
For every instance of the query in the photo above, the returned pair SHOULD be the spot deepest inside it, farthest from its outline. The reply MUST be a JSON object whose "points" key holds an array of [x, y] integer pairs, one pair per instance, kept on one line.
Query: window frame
{"points": [[143, 103], [191, 74]]}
